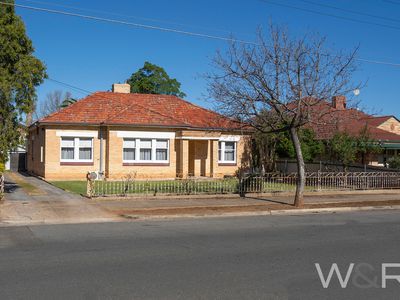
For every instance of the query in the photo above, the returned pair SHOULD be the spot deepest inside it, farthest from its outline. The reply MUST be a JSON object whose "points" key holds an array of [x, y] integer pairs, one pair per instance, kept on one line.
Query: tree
{"points": [[344, 148], [54, 101], [152, 79], [68, 101], [282, 75], [347, 149], [310, 146], [20, 73], [366, 145], [394, 162]]}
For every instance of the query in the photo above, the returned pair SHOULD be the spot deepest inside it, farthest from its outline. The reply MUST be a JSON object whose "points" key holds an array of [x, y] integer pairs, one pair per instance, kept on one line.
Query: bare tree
{"points": [[54, 102], [275, 84]]}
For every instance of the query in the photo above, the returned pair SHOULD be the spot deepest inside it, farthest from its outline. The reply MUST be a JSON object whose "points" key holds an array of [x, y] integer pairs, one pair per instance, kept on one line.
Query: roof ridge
{"points": [[204, 109], [148, 108]]}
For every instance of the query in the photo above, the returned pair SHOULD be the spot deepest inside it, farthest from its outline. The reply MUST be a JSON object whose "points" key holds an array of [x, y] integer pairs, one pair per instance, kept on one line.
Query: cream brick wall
{"points": [[243, 155], [54, 170], [117, 170], [206, 158]]}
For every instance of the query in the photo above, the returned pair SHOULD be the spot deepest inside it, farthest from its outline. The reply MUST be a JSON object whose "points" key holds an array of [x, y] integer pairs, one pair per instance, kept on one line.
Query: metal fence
{"points": [[322, 181], [272, 182], [166, 187]]}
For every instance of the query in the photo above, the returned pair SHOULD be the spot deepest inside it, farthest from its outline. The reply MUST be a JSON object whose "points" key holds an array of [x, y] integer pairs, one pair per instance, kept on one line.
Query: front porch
{"points": [[206, 154], [197, 157]]}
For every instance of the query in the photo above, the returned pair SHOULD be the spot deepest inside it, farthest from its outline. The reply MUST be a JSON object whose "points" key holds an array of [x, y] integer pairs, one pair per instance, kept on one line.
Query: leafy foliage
{"points": [[394, 162], [20, 73], [67, 102], [344, 148], [152, 79], [347, 149], [311, 147]]}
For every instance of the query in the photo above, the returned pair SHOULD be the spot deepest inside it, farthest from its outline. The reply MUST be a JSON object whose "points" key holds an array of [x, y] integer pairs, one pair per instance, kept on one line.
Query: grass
{"points": [[150, 187], [76, 187], [183, 187]]}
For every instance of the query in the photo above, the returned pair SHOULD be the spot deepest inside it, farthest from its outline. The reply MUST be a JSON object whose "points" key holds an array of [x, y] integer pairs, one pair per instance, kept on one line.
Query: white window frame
{"points": [[153, 151], [76, 149], [222, 148]]}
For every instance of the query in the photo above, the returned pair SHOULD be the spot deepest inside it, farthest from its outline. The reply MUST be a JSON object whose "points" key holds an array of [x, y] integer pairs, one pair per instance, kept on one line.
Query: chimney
{"points": [[124, 88], [339, 102]]}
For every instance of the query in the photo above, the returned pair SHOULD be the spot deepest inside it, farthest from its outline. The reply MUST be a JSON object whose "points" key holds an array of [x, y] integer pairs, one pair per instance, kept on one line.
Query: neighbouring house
{"points": [[16, 159], [337, 117], [149, 136]]}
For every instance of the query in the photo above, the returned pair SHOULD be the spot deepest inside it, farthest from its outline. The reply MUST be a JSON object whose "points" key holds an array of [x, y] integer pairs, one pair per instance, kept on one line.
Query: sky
{"points": [[92, 55]]}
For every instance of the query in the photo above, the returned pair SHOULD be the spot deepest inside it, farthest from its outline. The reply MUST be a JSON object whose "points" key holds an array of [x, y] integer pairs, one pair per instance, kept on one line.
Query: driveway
{"points": [[31, 200]]}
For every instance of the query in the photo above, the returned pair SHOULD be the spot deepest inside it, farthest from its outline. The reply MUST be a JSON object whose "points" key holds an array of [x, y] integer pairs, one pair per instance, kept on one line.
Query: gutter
{"points": [[145, 126]]}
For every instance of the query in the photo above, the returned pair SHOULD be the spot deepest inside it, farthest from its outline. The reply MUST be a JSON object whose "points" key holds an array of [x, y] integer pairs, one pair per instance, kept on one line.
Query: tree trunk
{"points": [[301, 176]]}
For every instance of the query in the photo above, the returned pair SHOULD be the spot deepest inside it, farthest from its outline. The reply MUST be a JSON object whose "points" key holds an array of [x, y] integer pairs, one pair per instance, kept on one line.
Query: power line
{"points": [[379, 62], [351, 11], [330, 15], [70, 86], [172, 30], [125, 16], [139, 25]]}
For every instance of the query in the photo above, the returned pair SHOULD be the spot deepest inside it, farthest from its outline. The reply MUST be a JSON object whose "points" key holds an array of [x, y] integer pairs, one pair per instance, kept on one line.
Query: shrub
{"points": [[394, 162]]}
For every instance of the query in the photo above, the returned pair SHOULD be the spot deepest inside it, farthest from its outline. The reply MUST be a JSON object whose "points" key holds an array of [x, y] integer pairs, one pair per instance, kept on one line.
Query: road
{"points": [[268, 257]]}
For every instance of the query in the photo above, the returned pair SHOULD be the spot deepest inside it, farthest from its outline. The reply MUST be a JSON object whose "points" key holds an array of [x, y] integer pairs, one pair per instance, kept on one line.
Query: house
{"points": [[150, 136], [335, 117]]}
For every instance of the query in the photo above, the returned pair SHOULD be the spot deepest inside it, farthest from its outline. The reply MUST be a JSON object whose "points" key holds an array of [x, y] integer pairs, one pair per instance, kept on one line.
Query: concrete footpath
{"points": [[29, 200], [191, 206]]}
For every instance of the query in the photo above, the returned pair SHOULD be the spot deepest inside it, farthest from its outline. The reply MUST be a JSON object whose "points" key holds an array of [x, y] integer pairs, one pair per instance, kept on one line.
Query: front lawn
{"points": [[177, 187], [76, 187]]}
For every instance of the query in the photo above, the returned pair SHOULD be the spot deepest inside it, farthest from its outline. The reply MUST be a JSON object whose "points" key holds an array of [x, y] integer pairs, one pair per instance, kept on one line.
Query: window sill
{"points": [[227, 164], [76, 163], [146, 164]]}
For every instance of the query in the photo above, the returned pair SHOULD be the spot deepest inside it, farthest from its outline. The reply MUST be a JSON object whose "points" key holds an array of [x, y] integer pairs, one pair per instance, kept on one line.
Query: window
{"points": [[161, 150], [145, 150], [76, 149], [67, 148], [129, 149], [85, 149], [227, 152]]}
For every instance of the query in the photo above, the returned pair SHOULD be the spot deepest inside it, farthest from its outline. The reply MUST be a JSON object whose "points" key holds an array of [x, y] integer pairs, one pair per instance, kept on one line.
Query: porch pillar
{"points": [[183, 158], [213, 150]]}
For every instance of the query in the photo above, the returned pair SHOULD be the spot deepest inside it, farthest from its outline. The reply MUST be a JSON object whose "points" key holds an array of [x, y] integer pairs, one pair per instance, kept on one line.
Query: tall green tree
{"points": [[311, 147], [152, 79], [20, 73], [344, 148]]}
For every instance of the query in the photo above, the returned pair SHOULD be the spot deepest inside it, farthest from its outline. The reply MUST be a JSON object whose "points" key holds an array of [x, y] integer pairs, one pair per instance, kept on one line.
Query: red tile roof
{"points": [[140, 110], [353, 121]]}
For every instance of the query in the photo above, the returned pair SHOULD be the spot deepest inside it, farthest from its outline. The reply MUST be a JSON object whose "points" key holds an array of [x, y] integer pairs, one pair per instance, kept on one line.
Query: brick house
{"points": [[154, 136], [337, 117]]}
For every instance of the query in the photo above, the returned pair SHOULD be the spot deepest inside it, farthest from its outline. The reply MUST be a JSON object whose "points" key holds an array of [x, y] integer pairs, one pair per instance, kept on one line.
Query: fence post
{"points": [[89, 185], [319, 187], [1, 187]]}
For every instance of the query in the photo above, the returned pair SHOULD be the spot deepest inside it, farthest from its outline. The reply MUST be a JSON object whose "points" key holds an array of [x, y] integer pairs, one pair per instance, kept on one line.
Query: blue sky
{"points": [[92, 55]]}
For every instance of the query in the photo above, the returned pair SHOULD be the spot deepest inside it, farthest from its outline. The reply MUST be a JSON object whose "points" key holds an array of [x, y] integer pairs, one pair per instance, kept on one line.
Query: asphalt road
{"points": [[268, 257]]}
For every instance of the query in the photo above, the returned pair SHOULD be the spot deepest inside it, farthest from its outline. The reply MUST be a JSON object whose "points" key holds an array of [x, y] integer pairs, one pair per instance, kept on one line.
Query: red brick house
{"points": [[337, 117]]}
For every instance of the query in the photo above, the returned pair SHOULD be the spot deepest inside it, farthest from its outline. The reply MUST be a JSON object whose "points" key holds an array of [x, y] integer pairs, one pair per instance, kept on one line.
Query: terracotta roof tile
{"points": [[351, 120], [140, 109]]}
